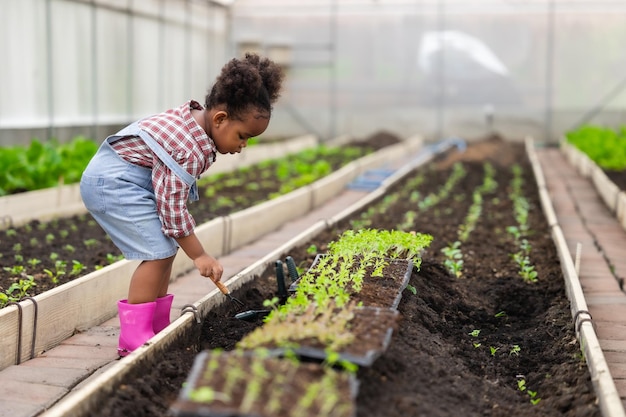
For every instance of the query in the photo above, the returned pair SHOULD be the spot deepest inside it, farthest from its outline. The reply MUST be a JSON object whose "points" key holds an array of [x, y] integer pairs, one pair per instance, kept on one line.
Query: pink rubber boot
{"points": [[135, 325], [162, 313]]}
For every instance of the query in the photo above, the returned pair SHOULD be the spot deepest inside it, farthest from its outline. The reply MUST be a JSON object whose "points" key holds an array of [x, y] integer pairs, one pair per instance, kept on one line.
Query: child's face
{"points": [[231, 135]]}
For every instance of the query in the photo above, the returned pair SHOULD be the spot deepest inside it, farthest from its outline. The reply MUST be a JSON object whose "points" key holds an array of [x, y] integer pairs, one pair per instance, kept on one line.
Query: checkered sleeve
{"points": [[171, 198]]}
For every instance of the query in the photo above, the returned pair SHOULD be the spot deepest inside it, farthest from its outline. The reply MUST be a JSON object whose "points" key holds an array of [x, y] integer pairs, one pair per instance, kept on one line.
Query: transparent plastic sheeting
{"points": [[71, 64], [446, 67], [437, 68]]}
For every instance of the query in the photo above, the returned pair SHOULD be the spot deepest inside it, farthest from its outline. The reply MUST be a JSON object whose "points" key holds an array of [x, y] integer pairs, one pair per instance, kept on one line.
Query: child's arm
{"points": [[207, 265]]}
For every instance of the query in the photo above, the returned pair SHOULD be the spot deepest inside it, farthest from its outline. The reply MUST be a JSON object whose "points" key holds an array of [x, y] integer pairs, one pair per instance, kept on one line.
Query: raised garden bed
{"points": [[487, 342], [609, 183], [60, 250], [63, 200]]}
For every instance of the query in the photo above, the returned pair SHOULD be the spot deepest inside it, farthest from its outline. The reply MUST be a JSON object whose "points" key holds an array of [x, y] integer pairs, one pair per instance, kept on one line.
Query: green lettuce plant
{"points": [[44, 164], [606, 147]]}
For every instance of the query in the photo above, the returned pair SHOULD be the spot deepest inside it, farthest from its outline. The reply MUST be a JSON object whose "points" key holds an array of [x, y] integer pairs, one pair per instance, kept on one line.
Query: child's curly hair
{"points": [[250, 81]]}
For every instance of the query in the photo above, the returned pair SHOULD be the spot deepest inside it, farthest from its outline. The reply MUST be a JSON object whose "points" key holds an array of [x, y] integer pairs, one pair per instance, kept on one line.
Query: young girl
{"points": [[137, 185]]}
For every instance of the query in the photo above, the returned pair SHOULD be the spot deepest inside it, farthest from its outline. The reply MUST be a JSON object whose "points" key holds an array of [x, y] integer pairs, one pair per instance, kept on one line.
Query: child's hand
{"points": [[209, 267]]}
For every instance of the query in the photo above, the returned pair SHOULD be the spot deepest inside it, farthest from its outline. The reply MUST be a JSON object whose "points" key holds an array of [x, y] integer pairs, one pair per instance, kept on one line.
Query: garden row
{"points": [[59, 170], [90, 299], [41, 255], [485, 336]]}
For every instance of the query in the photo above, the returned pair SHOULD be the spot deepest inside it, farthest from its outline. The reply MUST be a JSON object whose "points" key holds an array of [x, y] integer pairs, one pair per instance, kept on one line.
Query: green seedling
{"points": [[34, 262], [15, 270], [113, 258], [474, 333], [525, 246], [521, 385], [273, 303], [4, 299], [90, 243], [515, 232], [333, 359], [526, 269], [54, 276], [77, 267], [454, 258], [22, 287], [207, 395]]}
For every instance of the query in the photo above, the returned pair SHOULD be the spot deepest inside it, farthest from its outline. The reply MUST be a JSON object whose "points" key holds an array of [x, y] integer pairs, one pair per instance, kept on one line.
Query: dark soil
{"points": [[77, 245], [618, 177], [434, 366]]}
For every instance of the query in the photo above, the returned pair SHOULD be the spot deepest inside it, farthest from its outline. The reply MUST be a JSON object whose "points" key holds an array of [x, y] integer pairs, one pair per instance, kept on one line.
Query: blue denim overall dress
{"points": [[120, 197]]}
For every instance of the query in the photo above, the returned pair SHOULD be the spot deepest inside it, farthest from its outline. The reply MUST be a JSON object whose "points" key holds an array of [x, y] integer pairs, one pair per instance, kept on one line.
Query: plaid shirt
{"points": [[180, 135]]}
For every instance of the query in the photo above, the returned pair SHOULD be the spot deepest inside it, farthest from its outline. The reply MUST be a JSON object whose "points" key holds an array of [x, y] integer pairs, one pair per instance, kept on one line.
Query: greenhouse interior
{"points": [[353, 208]]}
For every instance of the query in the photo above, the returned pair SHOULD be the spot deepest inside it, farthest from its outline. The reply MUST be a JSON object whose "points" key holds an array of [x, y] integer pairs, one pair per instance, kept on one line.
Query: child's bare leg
{"points": [[147, 281], [165, 283]]}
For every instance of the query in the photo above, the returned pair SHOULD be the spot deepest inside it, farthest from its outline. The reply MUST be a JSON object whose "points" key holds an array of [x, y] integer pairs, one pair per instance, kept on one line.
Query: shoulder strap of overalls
{"points": [[134, 130]]}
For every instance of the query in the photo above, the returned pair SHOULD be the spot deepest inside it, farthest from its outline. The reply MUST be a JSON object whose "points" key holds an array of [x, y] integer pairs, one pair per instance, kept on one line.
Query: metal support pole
{"points": [[334, 21], [187, 51], [94, 68], [549, 72], [160, 87], [130, 65], [49, 70], [441, 82]]}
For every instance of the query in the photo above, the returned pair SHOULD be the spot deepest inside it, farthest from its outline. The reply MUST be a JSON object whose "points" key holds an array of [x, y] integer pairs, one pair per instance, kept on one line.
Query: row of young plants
{"points": [[605, 146], [41, 255], [453, 256], [291, 172], [320, 315], [453, 252], [520, 231]]}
